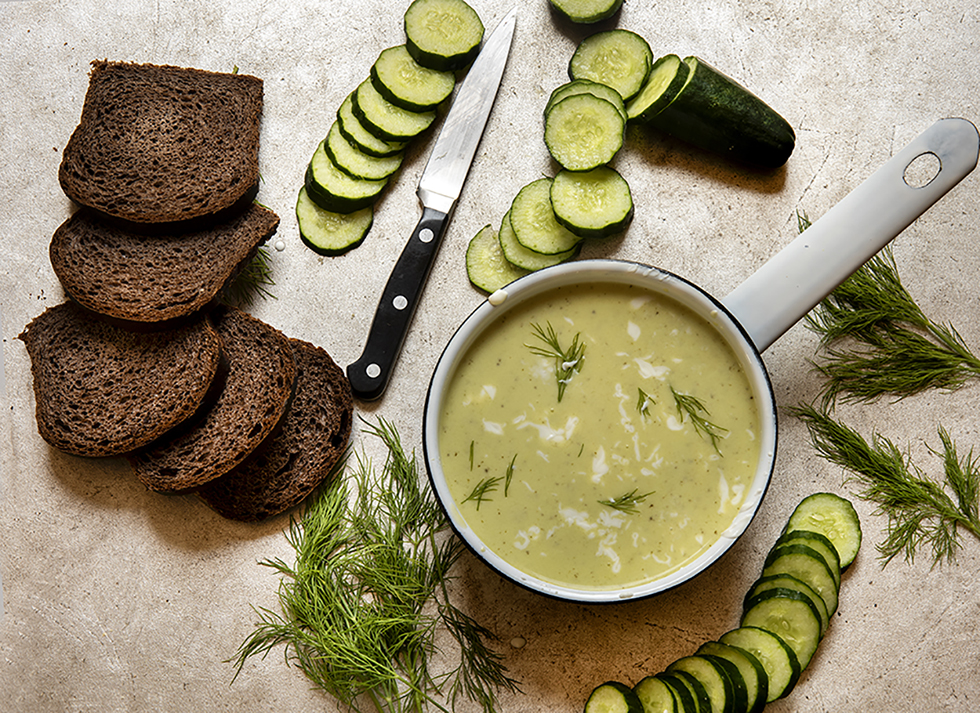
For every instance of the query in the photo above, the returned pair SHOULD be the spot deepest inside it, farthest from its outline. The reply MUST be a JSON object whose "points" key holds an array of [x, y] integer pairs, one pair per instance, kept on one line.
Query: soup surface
{"points": [[638, 467]]}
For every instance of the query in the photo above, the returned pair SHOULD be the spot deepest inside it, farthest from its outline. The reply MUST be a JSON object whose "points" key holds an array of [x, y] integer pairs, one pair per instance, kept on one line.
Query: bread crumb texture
{"points": [[163, 144]]}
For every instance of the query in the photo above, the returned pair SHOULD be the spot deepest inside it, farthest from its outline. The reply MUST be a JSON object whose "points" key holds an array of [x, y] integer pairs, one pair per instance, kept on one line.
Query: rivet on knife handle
{"points": [[369, 375]]}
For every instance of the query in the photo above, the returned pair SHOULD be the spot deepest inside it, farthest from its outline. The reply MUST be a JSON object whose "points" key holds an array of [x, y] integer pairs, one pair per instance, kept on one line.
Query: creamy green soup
{"points": [[639, 467]]}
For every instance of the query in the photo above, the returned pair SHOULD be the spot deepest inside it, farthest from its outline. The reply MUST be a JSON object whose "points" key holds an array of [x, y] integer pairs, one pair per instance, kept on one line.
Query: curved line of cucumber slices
{"points": [[614, 81], [377, 122], [785, 614]]}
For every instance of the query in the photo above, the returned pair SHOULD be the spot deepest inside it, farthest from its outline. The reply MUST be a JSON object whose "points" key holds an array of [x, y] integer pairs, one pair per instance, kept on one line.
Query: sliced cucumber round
{"points": [[520, 256], [832, 516], [665, 80], [385, 120], [753, 674], [486, 265], [655, 695], [335, 191], [777, 658], [696, 690], [718, 684], [592, 204], [786, 581], [407, 84], [444, 35], [534, 222], [586, 12], [682, 692], [613, 697], [583, 132], [585, 86], [818, 542], [617, 58], [354, 131], [354, 162], [331, 233], [791, 616], [806, 564]]}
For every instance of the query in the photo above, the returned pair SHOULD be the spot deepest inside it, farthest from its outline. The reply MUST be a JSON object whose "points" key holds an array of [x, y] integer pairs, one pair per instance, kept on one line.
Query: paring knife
{"points": [[438, 190]]}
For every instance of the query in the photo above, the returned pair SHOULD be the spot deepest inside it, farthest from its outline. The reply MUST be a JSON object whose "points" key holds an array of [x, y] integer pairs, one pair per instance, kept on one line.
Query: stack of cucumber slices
{"points": [[584, 129], [614, 81], [785, 614], [377, 121]]}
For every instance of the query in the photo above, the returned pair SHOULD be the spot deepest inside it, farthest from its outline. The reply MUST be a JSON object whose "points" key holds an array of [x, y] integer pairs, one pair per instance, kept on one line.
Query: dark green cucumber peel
{"points": [[716, 113]]}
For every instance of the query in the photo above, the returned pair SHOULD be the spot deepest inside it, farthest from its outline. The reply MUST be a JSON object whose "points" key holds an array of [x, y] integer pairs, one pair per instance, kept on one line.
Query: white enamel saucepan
{"points": [[750, 319]]}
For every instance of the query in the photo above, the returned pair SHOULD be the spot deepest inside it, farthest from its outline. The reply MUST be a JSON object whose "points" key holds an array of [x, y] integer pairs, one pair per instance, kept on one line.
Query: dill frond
{"points": [[482, 489], [643, 402], [692, 407], [626, 503], [367, 596], [568, 361], [253, 280], [920, 510], [878, 342]]}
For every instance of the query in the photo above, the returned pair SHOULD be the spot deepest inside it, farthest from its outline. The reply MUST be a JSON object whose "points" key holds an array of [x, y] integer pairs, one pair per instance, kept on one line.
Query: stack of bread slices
{"points": [[144, 360]]}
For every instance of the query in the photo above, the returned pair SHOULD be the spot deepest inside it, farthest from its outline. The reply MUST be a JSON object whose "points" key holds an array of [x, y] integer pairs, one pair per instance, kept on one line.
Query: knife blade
{"points": [[439, 189]]}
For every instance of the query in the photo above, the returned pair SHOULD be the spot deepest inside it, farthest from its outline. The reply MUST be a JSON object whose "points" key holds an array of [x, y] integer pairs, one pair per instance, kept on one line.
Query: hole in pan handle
{"points": [[792, 282]]}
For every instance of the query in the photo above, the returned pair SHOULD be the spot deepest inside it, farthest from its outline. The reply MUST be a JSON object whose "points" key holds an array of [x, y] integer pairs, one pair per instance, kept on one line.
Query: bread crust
{"points": [[158, 148]]}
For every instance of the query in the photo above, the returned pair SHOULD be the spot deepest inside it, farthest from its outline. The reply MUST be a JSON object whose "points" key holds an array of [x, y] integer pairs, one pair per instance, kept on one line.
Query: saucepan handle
{"points": [[791, 283]]}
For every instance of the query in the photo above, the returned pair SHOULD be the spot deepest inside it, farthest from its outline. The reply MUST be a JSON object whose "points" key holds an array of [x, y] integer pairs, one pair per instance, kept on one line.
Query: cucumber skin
{"points": [[716, 113]]}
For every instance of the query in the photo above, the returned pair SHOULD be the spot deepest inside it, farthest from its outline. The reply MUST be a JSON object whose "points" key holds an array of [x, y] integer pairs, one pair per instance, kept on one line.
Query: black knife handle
{"points": [[369, 375]]}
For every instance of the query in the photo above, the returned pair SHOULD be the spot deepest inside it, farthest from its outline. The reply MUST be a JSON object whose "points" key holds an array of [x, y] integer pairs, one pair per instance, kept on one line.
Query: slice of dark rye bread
{"points": [[289, 466], [164, 149], [256, 392], [105, 391], [153, 280]]}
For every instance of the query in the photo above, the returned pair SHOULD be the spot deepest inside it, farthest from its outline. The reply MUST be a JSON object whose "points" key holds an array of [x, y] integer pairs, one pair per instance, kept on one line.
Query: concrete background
{"points": [[118, 599]]}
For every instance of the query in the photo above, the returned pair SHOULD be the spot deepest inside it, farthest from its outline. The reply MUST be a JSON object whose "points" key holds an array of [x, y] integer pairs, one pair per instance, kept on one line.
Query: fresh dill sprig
{"points": [[890, 347], [509, 474], [694, 410], [255, 278], [366, 604], [643, 403], [921, 513], [567, 361], [626, 503], [482, 490]]}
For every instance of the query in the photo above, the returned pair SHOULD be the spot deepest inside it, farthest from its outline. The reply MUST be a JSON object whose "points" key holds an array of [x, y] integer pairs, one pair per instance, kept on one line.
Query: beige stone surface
{"points": [[119, 599]]}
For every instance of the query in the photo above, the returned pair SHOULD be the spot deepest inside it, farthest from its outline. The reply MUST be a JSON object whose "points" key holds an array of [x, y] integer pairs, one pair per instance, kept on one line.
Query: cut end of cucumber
{"points": [[666, 78]]}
